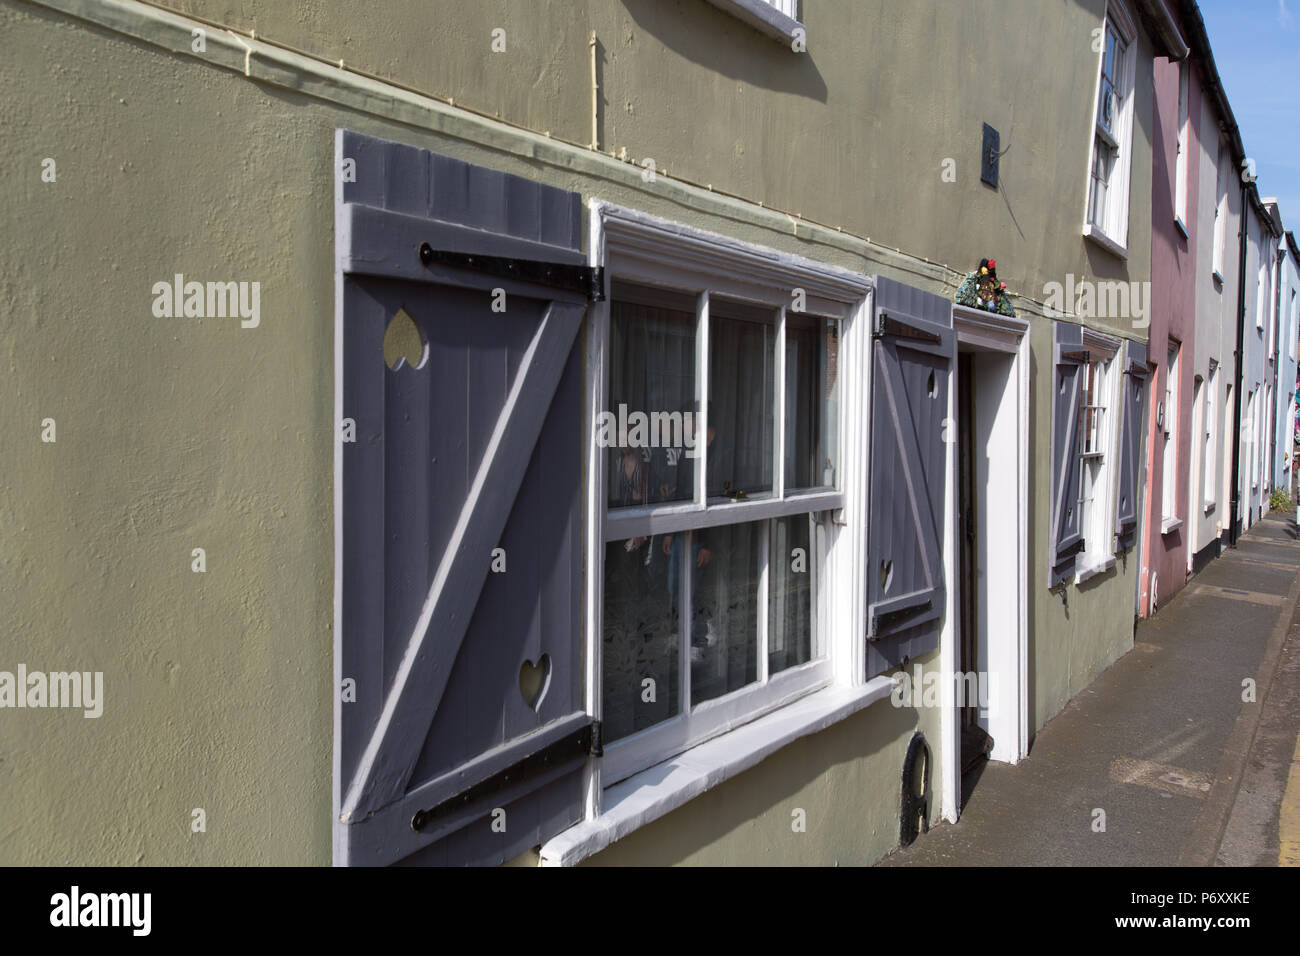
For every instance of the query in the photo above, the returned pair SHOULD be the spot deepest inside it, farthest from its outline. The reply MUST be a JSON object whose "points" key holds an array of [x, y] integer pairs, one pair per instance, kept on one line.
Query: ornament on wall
{"points": [[982, 290]]}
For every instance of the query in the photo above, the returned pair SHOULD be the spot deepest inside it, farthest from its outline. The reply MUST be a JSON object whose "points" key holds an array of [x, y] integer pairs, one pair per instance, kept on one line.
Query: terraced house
{"points": [[627, 413]]}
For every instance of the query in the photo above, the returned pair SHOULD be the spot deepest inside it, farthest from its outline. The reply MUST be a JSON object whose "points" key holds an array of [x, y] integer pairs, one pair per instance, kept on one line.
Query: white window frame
{"points": [[642, 249], [1098, 519], [1208, 442], [1260, 285], [1169, 478], [1252, 426], [777, 18], [1184, 138], [1294, 324], [1220, 211], [1111, 231]]}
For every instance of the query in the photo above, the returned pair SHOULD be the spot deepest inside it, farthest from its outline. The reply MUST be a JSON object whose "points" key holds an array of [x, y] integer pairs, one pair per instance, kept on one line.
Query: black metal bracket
{"points": [[886, 324], [915, 811], [587, 280], [582, 743]]}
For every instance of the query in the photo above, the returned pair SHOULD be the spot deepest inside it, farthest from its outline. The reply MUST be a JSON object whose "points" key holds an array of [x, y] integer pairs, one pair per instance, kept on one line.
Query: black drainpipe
{"points": [[1234, 514]]}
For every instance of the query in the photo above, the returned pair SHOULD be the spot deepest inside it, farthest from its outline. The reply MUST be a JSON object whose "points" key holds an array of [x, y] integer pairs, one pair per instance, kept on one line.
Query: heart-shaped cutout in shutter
{"points": [[534, 679]]}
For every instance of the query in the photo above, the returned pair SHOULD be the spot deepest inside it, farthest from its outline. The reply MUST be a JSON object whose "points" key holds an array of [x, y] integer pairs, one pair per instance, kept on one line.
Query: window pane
{"points": [[651, 395], [724, 563], [1103, 161], [640, 638], [812, 395], [790, 593], [741, 419]]}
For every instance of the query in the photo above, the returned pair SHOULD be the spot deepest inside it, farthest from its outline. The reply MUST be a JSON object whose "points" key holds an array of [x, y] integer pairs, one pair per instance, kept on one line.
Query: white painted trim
{"points": [[596, 494], [1009, 710], [1099, 556], [1169, 525], [1099, 568], [1094, 234], [845, 631], [1195, 465], [649, 249], [1125, 23], [1024, 359], [1112, 234], [1095, 341], [653, 793], [636, 246], [712, 718], [635, 522], [949, 640], [990, 330], [339, 838], [764, 16]]}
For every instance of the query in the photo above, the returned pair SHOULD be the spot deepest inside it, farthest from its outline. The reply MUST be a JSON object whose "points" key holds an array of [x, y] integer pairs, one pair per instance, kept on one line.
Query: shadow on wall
{"points": [[714, 39]]}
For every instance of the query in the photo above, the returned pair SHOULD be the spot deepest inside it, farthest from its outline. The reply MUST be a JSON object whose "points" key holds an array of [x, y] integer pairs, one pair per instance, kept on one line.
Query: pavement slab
{"points": [[1162, 748]]}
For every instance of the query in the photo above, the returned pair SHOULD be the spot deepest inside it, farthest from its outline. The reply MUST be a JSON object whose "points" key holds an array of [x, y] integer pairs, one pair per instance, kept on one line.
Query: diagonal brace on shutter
{"points": [[390, 755]]}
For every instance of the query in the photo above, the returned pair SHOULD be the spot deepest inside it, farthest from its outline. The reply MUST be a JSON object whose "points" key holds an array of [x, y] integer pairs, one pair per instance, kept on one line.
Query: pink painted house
{"points": [[1177, 374]]}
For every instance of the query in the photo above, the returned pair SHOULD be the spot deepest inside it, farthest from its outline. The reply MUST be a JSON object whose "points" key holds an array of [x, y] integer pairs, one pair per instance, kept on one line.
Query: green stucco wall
{"points": [[175, 434], [853, 133]]}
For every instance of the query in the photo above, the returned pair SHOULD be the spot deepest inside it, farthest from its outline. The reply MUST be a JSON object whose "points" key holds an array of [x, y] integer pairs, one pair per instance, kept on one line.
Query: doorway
{"points": [[972, 675], [985, 645]]}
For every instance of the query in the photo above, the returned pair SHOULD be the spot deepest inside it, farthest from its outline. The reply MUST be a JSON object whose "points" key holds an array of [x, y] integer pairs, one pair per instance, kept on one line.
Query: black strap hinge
{"points": [[587, 280], [582, 743]]}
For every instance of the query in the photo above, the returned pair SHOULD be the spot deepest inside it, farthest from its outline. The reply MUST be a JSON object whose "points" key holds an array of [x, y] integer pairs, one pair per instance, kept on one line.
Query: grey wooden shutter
{"points": [[440, 759], [1066, 531], [913, 351], [1132, 432]]}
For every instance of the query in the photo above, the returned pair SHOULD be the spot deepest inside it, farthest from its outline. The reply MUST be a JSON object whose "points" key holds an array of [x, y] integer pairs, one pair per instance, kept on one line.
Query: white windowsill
{"points": [[1170, 525], [1209, 507], [1092, 572], [762, 16], [1218, 275], [657, 791], [1095, 234], [1182, 226]]}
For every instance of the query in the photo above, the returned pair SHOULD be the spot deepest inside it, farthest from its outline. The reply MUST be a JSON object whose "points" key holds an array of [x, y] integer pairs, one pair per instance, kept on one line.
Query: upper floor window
{"points": [[1108, 185], [1221, 209], [1261, 290], [1184, 138], [1293, 327]]}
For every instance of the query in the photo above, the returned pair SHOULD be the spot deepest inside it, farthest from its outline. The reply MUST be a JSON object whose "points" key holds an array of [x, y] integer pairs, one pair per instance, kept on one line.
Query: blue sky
{"points": [[1256, 47]]}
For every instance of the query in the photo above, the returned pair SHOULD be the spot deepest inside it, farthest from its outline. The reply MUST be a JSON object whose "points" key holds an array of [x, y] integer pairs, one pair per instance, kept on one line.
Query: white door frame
{"points": [[1009, 692]]}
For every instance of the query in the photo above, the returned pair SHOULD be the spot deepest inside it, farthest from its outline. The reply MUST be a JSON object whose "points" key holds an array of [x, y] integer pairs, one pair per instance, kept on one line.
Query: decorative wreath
{"points": [[982, 290]]}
